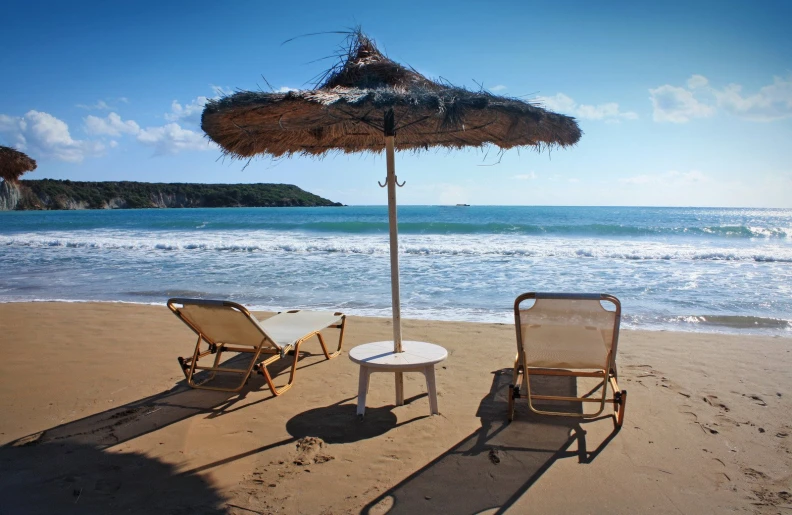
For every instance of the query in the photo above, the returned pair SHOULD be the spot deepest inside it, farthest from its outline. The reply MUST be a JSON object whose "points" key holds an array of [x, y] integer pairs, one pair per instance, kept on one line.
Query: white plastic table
{"points": [[415, 357]]}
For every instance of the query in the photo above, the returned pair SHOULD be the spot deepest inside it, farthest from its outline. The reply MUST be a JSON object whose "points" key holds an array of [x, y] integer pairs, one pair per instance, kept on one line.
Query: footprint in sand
{"points": [[753, 473], [712, 400], [774, 499], [756, 398]]}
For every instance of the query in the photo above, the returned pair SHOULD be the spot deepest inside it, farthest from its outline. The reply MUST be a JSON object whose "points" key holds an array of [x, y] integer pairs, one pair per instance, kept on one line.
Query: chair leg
{"points": [[188, 367], [262, 369], [516, 371], [324, 348], [510, 414], [340, 336], [622, 406], [327, 354], [189, 370]]}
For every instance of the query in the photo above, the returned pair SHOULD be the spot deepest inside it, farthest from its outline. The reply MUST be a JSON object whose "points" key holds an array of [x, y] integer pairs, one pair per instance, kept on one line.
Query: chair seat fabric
{"points": [[284, 329], [554, 346]]}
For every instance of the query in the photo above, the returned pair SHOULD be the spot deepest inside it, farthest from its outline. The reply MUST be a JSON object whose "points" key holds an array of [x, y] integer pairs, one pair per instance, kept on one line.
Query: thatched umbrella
{"points": [[14, 163], [369, 103]]}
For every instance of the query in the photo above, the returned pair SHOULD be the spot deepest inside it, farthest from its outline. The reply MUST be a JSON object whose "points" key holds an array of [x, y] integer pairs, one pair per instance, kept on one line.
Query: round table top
{"points": [[381, 355]]}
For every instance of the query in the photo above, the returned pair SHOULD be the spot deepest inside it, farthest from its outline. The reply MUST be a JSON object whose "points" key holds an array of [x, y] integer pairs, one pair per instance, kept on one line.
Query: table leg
{"points": [[363, 384], [399, 389], [431, 388]]}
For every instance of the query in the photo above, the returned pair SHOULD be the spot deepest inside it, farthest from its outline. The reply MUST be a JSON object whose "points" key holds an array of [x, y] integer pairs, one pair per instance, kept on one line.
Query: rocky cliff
{"points": [[55, 194]]}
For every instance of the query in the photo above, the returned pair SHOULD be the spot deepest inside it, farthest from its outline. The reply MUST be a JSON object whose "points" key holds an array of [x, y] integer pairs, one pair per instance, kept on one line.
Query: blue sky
{"points": [[685, 103]]}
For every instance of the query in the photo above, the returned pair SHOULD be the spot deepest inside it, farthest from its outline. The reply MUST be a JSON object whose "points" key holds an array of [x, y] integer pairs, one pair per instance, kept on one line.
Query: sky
{"points": [[681, 103]]}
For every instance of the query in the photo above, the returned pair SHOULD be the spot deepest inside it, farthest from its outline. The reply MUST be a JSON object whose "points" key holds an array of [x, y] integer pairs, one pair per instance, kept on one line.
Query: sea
{"points": [[683, 269]]}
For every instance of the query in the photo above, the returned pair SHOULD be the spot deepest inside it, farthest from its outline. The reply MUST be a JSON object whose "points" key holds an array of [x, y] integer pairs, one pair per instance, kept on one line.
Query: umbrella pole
{"points": [[390, 133]]}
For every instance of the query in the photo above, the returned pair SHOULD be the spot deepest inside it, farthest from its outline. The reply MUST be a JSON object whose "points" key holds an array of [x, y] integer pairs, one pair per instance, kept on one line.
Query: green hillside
{"points": [[58, 194]]}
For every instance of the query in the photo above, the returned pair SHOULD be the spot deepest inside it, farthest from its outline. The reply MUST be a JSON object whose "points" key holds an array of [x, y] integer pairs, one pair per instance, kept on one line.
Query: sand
{"points": [[96, 418]]}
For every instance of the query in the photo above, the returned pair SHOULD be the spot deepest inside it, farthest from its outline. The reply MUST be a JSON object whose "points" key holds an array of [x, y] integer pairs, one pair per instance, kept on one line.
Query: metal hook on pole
{"points": [[395, 180]]}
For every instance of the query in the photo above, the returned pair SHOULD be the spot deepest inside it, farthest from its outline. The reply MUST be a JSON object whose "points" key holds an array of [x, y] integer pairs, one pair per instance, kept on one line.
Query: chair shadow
{"points": [[68, 469], [493, 467], [117, 425]]}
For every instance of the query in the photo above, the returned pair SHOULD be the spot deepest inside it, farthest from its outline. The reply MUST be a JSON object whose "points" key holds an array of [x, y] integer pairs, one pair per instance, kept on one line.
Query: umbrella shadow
{"points": [[70, 477], [493, 467]]}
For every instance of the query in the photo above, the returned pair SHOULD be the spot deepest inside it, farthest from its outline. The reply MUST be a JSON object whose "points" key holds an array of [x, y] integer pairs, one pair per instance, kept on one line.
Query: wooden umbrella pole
{"points": [[390, 134]]}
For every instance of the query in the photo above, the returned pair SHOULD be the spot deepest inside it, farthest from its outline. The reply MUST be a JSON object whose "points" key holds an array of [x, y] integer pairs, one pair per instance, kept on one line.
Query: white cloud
{"points": [[110, 126], [100, 105], [697, 81], [44, 136], [499, 87], [8, 124], [172, 138], [190, 113], [525, 176], [677, 105], [680, 105], [608, 111], [773, 102], [286, 89]]}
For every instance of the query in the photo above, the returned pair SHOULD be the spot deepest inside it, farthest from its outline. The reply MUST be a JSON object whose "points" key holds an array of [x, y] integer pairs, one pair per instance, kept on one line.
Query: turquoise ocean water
{"points": [[713, 269]]}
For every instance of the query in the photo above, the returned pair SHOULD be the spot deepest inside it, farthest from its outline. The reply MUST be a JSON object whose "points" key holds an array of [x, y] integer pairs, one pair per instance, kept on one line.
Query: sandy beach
{"points": [[97, 419]]}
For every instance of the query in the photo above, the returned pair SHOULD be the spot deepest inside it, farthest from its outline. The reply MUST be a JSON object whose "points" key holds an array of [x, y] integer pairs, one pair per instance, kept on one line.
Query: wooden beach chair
{"points": [[563, 334], [228, 327]]}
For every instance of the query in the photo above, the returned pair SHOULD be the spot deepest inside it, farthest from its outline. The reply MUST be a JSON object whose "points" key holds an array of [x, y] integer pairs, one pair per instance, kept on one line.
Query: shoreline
{"points": [[96, 391], [779, 328]]}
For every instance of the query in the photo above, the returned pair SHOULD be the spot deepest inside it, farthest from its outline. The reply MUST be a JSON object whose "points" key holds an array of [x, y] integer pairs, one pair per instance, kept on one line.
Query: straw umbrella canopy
{"points": [[14, 163], [369, 103]]}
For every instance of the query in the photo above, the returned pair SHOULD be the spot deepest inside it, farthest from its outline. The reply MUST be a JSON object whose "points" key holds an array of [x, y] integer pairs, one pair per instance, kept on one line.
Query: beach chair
{"points": [[228, 327], [567, 334]]}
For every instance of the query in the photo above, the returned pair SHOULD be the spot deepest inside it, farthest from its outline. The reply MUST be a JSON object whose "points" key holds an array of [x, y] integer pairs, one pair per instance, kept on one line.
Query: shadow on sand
{"points": [[339, 423], [141, 417], [68, 469], [68, 477], [493, 467]]}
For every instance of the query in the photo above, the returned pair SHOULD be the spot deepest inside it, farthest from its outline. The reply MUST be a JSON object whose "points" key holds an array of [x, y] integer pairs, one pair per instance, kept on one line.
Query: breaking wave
{"points": [[506, 246]]}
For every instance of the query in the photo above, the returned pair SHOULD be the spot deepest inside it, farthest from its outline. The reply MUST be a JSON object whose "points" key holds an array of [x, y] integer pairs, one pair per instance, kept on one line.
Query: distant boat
{"points": [[463, 205]]}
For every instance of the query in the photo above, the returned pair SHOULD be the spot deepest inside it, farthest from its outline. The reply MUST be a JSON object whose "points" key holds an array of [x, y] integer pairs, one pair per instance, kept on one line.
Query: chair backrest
{"points": [[220, 321], [577, 323]]}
